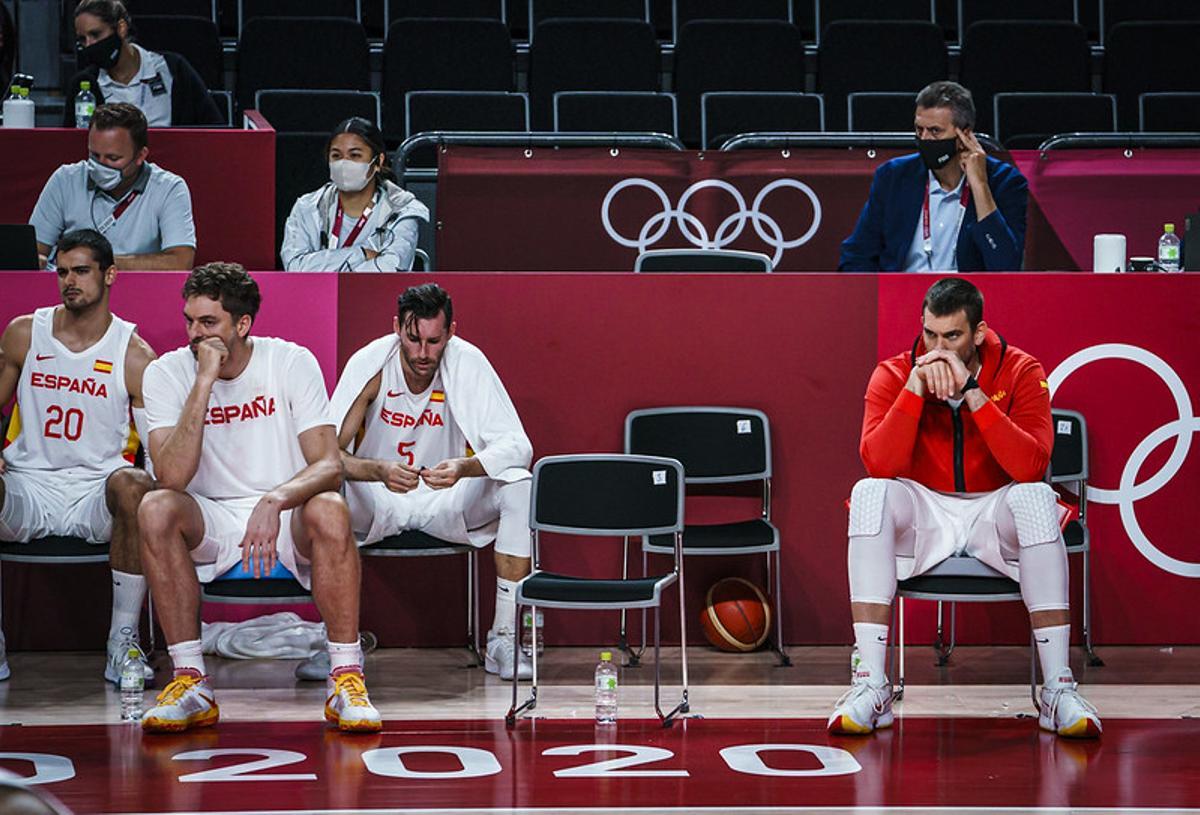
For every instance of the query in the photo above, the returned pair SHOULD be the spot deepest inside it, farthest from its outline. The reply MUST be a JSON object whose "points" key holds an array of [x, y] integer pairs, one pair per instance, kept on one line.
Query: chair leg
{"points": [[1033, 694], [668, 718], [635, 657], [514, 711], [473, 607], [785, 661], [623, 638], [898, 685], [940, 649], [1093, 660]]}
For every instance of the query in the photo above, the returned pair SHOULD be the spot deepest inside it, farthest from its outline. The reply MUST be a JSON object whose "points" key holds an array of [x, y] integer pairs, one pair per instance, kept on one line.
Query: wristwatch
{"points": [[970, 384]]}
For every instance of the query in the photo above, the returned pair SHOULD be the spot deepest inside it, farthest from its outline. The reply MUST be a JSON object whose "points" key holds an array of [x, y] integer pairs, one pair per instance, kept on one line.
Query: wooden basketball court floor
{"points": [[964, 740]]}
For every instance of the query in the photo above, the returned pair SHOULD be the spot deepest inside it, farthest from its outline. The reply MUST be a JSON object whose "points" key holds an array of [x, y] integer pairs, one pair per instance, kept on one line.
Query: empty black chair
{"points": [[589, 55], [301, 52], [194, 38], [712, 55], [880, 111], [540, 10], [833, 11], [685, 11], [301, 166], [250, 9], [615, 111], [162, 8], [1048, 55], [1025, 120], [1169, 112], [1144, 57], [842, 66], [724, 114], [972, 11], [458, 9], [701, 260], [291, 110], [494, 111], [442, 55], [1116, 12]]}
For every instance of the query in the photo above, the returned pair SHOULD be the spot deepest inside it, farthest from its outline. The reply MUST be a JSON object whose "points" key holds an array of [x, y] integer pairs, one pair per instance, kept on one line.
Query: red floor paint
{"points": [[279, 767]]}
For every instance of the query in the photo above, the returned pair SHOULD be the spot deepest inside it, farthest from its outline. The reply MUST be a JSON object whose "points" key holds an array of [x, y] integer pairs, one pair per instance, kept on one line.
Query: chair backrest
{"points": [[615, 111], [167, 8], [291, 110], [224, 102], [880, 111], [701, 260], [301, 52], [250, 9], [1069, 459], [1143, 57], [1171, 112], [684, 11], [196, 39], [832, 11], [724, 114], [458, 9], [612, 495], [487, 111], [1115, 12], [540, 10], [716, 445], [972, 11], [1025, 120]]}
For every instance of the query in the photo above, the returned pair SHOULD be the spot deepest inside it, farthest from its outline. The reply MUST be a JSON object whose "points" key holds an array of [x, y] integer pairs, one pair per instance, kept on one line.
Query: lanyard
{"points": [[117, 212], [927, 240], [337, 226]]}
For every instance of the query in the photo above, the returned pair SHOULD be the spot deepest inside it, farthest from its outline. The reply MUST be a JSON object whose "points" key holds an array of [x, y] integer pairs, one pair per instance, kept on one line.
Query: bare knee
{"points": [[326, 519], [126, 488], [159, 513]]}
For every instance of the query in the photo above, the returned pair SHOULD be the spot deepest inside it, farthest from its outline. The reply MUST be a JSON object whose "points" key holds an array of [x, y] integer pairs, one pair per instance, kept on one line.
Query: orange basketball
{"points": [[736, 615]]}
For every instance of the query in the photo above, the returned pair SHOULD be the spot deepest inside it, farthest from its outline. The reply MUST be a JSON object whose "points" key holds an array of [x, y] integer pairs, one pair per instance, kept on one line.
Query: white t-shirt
{"points": [[253, 422], [417, 429]]}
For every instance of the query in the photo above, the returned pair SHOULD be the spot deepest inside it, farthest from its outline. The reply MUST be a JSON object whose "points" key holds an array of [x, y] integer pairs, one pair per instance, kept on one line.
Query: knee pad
{"points": [[867, 501], [1035, 513], [514, 496]]}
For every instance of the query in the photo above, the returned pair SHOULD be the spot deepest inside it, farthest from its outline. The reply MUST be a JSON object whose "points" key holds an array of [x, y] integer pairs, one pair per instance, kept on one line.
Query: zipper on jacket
{"points": [[960, 480]]}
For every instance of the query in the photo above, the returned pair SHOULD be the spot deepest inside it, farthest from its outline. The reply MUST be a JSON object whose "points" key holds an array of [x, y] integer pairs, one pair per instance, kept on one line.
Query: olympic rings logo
{"points": [[694, 230], [1128, 492]]}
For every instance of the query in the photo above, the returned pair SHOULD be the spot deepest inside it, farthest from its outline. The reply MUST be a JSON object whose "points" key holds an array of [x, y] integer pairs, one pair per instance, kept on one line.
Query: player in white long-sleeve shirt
{"points": [[76, 370], [247, 463]]}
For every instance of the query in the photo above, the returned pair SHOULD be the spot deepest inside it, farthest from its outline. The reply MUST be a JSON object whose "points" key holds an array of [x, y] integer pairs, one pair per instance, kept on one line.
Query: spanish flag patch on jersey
{"points": [[437, 396], [103, 366]]}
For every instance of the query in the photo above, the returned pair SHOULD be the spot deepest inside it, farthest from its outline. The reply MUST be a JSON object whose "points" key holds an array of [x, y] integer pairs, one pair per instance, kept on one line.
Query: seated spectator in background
{"points": [[361, 221], [143, 210], [950, 207], [165, 87]]}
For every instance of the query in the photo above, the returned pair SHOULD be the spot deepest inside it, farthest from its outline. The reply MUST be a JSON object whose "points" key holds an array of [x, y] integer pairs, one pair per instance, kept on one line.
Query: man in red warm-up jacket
{"points": [[956, 439]]}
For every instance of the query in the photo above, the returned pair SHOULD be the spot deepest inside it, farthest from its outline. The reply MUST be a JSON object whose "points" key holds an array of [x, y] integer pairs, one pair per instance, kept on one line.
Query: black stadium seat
{"points": [[972, 11], [163, 8], [1172, 112], [685, 11], [251, 9], [881, 111], [292, 110], [195, 38], [540, 10], [832, 11], [1025, 120], [726, 114], [301, 52], [615, 111], [1147, 11], [498, 111], [1144, 57]]}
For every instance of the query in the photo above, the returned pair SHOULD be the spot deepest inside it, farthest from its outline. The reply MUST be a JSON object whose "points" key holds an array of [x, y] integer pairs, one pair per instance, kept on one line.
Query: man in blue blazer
{"points": [[950, 207]]}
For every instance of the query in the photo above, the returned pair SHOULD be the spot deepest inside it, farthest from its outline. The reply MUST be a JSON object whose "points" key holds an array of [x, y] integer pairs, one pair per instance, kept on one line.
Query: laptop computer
{"points": [[18, 248]]}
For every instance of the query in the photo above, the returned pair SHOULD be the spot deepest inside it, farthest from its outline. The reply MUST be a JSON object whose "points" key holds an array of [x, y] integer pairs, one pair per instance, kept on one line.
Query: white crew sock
{"points": [[1053, 646], [871, 641], [187, 656], [344, 655], [506, 608], [128, 592]]}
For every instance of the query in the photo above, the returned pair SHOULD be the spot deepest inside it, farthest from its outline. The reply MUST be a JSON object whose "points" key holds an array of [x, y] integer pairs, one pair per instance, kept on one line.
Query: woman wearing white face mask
{"points": [[361, 220]]}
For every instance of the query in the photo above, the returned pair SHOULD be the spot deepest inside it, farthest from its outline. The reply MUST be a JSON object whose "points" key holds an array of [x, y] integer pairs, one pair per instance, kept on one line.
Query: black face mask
{"points": [[936, 153], [102, 53]]}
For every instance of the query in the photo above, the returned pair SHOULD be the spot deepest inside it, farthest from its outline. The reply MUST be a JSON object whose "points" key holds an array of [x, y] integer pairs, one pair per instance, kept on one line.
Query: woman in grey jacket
{"points": [[361, 220]]}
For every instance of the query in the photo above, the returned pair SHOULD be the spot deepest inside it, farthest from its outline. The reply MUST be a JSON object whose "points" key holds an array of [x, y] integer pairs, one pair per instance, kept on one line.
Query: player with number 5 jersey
{"points": [[66, 469]]}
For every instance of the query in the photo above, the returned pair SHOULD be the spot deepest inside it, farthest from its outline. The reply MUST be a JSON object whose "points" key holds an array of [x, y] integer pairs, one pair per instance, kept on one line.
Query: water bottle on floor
{"points": [[85, 105], [527, 623], [606, 689], [133, 683], [1168, 249]]}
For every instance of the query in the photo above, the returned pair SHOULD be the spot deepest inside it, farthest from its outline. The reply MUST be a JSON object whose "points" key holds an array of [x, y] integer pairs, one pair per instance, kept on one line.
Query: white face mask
{"points": [[103, 176], [350, 176]]}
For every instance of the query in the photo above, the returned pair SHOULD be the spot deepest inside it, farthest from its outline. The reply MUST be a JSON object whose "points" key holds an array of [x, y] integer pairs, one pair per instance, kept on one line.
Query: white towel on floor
{"points": [[283, 635]]}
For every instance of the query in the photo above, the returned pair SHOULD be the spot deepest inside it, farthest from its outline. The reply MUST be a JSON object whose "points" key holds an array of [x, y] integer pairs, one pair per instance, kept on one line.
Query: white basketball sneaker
{"points": [[1064, 711], [348, 705], [500, 658], [118, 650], [863, 709]]}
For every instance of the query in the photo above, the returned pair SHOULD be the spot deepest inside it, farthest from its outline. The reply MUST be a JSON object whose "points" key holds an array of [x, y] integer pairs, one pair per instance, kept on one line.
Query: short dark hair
{"points": [[102, 251], [110, 11], [951, 295], [423, 302], [947, 94], [121, 114], [228, 283]]}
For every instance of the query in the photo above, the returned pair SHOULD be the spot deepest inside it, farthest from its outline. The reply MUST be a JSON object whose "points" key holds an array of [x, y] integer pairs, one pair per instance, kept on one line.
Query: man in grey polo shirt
{"points": [[143, 210]]}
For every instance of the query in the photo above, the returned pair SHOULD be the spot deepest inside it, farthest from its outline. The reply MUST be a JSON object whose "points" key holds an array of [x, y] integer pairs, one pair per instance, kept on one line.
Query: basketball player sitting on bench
{"points": [[957, 438], [426, 398], [76, 370]]}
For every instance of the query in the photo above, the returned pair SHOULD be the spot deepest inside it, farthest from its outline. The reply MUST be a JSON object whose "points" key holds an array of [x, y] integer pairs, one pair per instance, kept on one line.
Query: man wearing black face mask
{"points": [[949, 207], [164, 86], [144, 211]]}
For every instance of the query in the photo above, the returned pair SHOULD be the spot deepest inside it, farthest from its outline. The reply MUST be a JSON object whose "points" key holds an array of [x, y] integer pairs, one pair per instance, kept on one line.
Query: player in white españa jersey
{"points": [[248, 470], [66, 470]]}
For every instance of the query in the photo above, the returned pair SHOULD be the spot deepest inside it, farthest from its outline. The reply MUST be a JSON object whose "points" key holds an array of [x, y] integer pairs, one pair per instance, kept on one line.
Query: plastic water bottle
{"points": [[606, 689], [18, 108], [527, 623], [1168, 249], [133, 683], [85, 105]]}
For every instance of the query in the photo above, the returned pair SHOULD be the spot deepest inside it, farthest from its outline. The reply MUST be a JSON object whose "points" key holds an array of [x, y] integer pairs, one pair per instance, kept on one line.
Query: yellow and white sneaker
{"points": [[348, 705], [864, 708], [1064, 711], [185, 703]]}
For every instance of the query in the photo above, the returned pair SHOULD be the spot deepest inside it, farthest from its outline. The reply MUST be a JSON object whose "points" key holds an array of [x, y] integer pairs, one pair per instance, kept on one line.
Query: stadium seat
{"points": [[1177, 112], [493, 111], [880, 111], [589, 55], [842, 69], [291, 110], [717, 446], [253, 9], [1048, 55], [1024, 120], [712, 55], [724, 114], [701, 260], [1129, 71], [395, 10], [1116, 12], [224, 103], [615, 111], [194, 38], [685, 11], [832, 11], [442, 54], [300, 167], [301, 52], [587, 496], [972, 11], [540, 10], [162, 8]]}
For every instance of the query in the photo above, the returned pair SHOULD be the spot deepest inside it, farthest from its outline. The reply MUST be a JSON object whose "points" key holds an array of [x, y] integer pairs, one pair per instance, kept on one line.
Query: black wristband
{"points": [[970, 384]]}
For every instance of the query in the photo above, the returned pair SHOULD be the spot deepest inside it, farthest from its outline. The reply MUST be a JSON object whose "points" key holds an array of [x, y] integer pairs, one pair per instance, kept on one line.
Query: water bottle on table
{"points": [[1168, 249], [133, 684], [606, 689], [18, 108], [85, 105]]}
